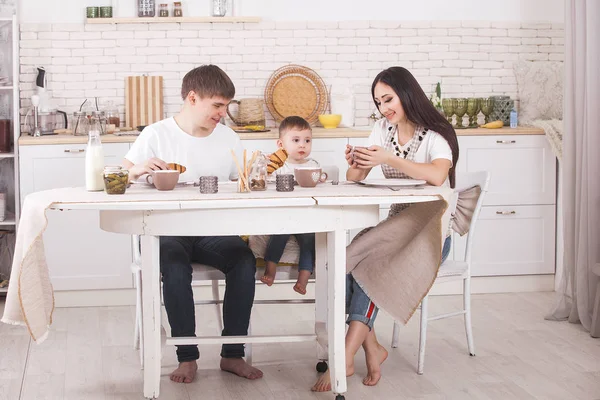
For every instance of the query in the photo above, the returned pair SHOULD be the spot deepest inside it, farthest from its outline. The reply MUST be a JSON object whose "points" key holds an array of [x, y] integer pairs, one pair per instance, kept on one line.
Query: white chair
{"points": [[452, 271], [203, 273]]}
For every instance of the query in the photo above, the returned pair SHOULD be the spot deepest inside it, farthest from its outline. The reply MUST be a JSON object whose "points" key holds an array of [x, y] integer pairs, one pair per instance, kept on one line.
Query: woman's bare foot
{"points": [[269, 277], [303, 277], [324, 382], [240, 367], [374, 358], [185, 373]]}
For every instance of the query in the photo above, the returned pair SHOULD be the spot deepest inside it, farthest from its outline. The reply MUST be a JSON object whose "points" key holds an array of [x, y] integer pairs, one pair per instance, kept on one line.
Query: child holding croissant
{"points": [[295, 144]]}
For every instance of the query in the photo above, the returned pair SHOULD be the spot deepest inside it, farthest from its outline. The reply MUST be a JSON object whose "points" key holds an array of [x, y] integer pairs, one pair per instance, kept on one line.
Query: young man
{"points": [[195, 139]]}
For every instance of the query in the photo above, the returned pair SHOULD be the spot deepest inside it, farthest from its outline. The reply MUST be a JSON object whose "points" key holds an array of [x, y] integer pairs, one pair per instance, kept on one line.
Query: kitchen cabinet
{"points": [[80, 256]]}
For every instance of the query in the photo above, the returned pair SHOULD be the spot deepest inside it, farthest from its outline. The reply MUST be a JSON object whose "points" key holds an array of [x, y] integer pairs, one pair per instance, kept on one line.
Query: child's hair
{"points": [[208, 81], [293, 122]]}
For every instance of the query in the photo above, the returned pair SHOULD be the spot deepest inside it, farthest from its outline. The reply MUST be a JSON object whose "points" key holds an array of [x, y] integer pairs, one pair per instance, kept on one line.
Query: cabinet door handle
{"points": [[74, 150], [506, 141], [506, 212]]}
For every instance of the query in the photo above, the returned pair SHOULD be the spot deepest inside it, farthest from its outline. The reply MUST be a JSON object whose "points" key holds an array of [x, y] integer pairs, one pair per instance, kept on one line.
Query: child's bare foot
{"points": [[374, 359], [270, 270], [324, 382], [241, 368], [185, 373], [303, 277]]}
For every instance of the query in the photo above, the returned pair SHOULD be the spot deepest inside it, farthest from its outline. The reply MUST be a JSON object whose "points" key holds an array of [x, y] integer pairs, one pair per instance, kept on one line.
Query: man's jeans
{"points": [[228, 254]]}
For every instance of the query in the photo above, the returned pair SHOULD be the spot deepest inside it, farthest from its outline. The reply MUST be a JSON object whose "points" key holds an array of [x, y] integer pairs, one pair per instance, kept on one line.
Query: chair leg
{"points": [[467, 308], [249, 346], [423, 334], [395, 334], [215, 295]]}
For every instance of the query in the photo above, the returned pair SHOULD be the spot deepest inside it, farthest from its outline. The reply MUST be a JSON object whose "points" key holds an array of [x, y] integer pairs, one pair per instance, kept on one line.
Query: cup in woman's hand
{"points": [[309, 176], [165, 179], [356, 154]]}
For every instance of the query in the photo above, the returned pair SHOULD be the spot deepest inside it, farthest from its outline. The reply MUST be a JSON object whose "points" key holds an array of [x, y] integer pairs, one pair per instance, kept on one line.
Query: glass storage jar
{"points": [[163, 10], [219, 8], [146, 8], [258, 173], [80, 123], [177, 10], [116, 179], [100, 118]]}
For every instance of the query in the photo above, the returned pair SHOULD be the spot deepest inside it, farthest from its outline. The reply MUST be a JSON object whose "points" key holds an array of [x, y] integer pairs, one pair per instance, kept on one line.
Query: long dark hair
{"points": [[418, 108]]}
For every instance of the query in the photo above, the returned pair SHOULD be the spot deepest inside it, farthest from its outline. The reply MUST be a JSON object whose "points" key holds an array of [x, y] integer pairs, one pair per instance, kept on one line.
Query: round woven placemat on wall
{"points": [[296, 90]]}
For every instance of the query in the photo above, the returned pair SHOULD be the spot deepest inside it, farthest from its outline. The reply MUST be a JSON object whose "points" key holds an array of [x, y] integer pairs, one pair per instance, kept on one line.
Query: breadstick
{"points": [[240, 172]]}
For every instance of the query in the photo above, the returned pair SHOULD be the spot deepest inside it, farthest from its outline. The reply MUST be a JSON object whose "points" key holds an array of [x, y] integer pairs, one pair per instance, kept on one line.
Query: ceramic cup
{"points": [[309, 176], [164, 179], [355, 155]]}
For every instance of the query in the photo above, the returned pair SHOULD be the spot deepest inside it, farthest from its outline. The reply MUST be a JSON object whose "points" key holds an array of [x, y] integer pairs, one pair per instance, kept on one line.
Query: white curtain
{"points": [[580, 287]]}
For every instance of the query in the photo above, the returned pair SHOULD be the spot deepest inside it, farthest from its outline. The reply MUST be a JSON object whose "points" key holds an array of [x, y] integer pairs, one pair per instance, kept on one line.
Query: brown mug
{"points": [[309, 176], [163, 179]]}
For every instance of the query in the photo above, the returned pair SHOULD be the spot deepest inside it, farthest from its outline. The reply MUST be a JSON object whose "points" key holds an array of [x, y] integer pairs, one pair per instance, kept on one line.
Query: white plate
{"points": [[393, 182]]}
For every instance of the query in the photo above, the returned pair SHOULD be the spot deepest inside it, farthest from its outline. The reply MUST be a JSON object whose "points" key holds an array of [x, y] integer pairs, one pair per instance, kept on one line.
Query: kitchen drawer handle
{"points": [[74, 151], [506, 141], [506, 212]]}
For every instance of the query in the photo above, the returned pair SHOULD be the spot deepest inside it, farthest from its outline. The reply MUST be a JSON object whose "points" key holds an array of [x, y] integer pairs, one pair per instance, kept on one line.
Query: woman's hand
{"points": [[371, 157], [153, 164], [350, 156]]}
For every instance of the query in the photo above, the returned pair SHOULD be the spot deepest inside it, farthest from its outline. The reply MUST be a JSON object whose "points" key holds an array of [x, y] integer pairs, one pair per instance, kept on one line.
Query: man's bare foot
{"points": [[324, 382], [185, 373], [270, 270], [240, 367], [303, 277], [374, 359]]}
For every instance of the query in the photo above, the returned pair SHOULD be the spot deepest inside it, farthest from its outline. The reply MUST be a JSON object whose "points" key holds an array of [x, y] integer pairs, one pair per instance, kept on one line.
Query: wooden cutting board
{"points": [[143, 100]]}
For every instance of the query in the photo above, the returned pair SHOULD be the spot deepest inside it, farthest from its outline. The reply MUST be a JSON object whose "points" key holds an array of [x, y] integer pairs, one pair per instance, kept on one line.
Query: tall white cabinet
{"points": [[9, 110]]}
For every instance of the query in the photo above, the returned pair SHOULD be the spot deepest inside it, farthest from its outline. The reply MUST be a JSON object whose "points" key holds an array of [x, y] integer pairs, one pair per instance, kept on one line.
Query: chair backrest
{"points": [[467, 180]]}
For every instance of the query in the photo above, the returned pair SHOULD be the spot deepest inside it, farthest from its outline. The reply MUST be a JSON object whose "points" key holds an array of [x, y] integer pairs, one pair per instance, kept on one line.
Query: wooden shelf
{"points": [[164, 20]]}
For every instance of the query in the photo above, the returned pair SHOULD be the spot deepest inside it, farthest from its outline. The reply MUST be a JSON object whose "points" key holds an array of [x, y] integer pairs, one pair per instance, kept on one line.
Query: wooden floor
{"points": [[89, 355]]}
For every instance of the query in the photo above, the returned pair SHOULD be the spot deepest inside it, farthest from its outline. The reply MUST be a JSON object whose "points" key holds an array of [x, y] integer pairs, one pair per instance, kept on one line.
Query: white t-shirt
{"points": [[433, 146], [202, 156]]}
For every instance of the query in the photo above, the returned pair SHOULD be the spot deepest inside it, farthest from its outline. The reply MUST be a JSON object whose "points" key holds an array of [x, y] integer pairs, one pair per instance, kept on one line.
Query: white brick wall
{"points": [[469, 58]]}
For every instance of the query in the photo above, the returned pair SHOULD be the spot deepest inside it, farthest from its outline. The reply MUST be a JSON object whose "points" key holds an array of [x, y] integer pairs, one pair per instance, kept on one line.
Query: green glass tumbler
{"points": [[92, 12]]}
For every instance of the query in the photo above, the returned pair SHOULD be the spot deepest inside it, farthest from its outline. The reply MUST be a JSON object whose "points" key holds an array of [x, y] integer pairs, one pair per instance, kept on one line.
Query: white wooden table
{"points": [[327, 210]]}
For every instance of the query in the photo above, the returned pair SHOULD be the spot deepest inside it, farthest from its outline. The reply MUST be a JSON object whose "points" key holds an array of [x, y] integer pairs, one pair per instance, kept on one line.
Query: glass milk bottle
{"points": [[94, 160]]}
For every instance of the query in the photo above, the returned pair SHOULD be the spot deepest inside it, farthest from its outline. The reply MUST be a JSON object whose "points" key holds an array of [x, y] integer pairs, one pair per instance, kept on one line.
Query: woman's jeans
{"points": [[359, 306]]}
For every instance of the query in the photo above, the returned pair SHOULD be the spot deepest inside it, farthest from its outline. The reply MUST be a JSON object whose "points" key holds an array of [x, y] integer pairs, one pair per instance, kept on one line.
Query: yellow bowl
{"points": [[330, 121]]}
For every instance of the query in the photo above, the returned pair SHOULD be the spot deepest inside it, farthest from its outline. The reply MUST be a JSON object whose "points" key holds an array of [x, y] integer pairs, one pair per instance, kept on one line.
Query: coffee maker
{"points": [[42, 118]]}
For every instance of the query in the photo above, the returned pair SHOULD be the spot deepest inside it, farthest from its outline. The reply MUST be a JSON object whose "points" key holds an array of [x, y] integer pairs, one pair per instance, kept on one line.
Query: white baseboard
{"points": [[491, 284]]}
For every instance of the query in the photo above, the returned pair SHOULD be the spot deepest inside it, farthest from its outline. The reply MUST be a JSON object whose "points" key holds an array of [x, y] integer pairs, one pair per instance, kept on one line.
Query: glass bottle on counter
{"points": [[219, 8], [94, 160], [100, 118], [146, 8]]}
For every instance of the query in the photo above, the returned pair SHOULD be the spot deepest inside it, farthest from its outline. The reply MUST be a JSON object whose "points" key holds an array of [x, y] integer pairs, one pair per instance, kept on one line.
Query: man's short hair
{"points": [[293, 122], [207, 81]]}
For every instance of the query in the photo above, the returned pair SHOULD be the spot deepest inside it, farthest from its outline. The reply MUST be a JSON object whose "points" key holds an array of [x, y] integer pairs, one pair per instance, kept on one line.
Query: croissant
{"points": [[276, 160], [176, 167]]}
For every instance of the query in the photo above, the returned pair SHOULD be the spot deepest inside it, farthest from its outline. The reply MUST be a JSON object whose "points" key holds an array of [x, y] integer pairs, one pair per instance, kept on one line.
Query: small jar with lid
{"points": [[258, 173], [163, 10], [177, 10], [116, 179], [80, 123]]}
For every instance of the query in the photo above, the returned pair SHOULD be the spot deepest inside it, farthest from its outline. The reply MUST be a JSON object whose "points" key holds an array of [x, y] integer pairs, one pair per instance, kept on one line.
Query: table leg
{"points": [[321, 296], [336, 264], [151, 315]]}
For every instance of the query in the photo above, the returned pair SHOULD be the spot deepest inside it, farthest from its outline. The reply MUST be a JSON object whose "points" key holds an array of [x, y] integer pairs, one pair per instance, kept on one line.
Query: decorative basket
{"points": [[503, 105], [296, 90]]}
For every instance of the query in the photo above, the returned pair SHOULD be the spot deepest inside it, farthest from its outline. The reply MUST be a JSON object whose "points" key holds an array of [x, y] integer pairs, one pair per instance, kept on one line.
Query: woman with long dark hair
{"points": [[413, 141]]}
